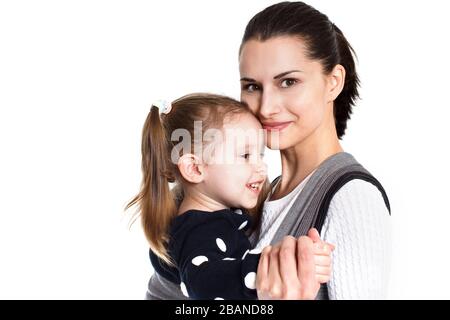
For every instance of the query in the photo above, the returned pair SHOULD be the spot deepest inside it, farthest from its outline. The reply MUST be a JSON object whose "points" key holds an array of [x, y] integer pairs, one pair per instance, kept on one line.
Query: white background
{"points": [[76, 81]]}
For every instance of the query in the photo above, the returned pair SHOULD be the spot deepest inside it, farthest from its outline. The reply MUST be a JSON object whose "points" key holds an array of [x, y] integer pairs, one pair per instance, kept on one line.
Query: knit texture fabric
{"points": [[358, 223]]}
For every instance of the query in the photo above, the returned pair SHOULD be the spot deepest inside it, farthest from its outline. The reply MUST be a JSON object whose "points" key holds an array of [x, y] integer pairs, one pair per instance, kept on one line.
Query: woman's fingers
{"points": [[306, 268], [293, 269], [288, 260], [263, 266], [288, 268], [262, 276], [275, 284]]}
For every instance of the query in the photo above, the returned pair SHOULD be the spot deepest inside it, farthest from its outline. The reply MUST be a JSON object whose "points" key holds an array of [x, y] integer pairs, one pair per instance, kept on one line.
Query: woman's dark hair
{"points": [[324, 40]]}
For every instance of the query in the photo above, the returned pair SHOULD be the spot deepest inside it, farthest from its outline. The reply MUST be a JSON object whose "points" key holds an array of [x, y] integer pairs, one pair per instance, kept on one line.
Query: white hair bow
{"points": [[164, 106]]}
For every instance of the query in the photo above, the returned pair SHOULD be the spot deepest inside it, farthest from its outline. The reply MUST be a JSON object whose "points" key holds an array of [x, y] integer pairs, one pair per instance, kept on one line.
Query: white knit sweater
{"points": [[358, 223]]}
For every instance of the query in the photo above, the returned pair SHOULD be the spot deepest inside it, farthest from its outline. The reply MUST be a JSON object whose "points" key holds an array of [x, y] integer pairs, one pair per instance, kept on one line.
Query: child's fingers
{"points": [[320, 248], [332, 246], [323, 248], [322, 279], [324, 261], [323, 271], [314, 235]]}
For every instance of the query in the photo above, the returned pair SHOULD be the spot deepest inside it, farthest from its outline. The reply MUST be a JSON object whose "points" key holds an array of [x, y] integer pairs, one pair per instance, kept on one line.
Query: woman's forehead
{"points": [[273, 56]]}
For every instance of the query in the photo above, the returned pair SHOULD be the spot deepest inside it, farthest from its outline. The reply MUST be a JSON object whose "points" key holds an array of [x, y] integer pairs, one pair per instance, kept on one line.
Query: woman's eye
{"points": [[250, 87], [246, 156], [286, 83], [262, 155]]}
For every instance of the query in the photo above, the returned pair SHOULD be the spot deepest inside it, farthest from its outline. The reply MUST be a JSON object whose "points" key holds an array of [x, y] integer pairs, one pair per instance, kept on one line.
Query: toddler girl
{"points": [[198, 230]]}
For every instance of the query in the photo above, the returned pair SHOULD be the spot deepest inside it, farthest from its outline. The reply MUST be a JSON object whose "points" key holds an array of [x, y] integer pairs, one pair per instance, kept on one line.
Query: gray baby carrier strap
{"points": [[311, 206], [159, 288]]}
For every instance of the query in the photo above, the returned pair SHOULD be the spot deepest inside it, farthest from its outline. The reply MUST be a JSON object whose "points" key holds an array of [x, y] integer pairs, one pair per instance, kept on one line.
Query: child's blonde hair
{"points": [[157, 203]]}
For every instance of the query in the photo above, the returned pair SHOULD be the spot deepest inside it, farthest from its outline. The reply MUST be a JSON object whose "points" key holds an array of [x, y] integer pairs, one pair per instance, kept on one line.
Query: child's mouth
{"points": [[255, 186]]}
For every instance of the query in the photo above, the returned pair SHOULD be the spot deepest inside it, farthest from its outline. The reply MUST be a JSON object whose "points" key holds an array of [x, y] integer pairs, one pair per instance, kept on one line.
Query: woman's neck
{"points": [[299, 161]]}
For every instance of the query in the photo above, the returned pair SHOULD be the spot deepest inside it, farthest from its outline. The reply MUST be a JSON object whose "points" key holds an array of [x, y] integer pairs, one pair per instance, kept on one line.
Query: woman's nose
{"points": [[269, 105]]}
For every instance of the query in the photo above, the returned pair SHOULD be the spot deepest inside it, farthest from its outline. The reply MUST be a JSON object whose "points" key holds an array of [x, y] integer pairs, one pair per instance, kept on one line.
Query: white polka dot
{"points": [[198, 260], [238, 211], [242, 226], [250, 280], [255, 251], [183, 289], [221, 245], [219, 298], [229, 259], [245, 254]]}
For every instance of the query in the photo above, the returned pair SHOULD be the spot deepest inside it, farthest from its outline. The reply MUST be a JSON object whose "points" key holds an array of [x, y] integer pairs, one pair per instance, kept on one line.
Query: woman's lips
{"points": [[272, 126]]}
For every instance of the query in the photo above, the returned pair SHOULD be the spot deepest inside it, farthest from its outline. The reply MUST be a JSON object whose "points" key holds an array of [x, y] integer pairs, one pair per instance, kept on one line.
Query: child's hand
{"points": [[322, 256], [323, 261]]}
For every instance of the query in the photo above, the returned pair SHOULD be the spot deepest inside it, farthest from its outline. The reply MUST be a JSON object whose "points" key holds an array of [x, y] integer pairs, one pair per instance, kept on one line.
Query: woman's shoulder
{"points": [[358, 190], [358, 205], [357, 199], [352, 182]]}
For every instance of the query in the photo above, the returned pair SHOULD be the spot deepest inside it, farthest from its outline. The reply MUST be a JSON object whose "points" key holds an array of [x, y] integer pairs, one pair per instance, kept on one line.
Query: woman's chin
{"points": [[284, 142], [278, 145]]}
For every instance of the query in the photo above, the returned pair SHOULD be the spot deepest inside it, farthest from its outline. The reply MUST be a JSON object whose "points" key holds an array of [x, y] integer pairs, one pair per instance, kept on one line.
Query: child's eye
{"points": [[251, 87], [246, 156], [289, 82], [262, 155]]}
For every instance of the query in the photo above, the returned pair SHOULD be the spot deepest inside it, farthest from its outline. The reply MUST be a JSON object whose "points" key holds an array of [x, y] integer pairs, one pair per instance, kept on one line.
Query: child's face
{"points": [[235, 171]]}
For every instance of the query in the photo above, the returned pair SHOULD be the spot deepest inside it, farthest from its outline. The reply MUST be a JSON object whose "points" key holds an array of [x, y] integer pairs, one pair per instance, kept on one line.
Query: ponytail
{"points": [[156, 203], [347, 98]]}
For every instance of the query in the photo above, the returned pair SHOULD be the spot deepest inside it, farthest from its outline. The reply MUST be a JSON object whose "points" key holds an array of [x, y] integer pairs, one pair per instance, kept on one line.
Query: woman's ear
{"points": [[191, 168], [336, 81]]}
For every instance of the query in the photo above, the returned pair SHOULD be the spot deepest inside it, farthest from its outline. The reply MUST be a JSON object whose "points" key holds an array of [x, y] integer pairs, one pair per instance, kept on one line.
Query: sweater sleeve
{"points": [[358, 223], [217, 262]]}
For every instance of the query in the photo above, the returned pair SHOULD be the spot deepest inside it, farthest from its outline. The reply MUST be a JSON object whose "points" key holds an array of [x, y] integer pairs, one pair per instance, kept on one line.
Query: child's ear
{"points": [[336, 81], [191, 168]]}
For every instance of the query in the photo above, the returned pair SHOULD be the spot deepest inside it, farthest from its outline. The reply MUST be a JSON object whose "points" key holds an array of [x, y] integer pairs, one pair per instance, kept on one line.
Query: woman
{"points": [[298, 77]]}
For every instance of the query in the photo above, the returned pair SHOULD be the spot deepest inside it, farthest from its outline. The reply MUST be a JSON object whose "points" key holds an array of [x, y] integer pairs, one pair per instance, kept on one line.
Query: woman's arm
{"points": [[358, 223]]}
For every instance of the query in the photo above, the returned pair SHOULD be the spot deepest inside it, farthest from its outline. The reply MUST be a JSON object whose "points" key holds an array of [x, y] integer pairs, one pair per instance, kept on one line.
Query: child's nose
{"points": [[261, 168]]}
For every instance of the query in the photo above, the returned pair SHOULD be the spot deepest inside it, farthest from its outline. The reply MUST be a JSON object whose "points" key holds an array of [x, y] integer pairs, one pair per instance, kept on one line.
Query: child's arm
{"points": [[217, 262]]}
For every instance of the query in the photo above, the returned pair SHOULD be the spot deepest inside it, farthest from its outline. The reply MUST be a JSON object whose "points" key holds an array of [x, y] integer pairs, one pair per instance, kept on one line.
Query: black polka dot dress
{"points": [[213, 255]]}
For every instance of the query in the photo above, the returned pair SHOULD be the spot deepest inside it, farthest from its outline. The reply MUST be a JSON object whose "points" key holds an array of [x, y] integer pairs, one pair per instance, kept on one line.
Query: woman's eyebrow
{"points": [[275, 78], [285, 73], [248, 79]]}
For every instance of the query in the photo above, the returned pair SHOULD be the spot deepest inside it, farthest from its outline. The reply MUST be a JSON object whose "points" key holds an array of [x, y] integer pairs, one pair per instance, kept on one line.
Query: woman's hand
{"points": [[287, 270], [294, 268]]}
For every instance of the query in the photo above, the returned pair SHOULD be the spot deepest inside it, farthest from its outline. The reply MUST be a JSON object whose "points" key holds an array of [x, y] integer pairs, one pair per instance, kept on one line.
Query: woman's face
{"points": [[286, 90]]}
